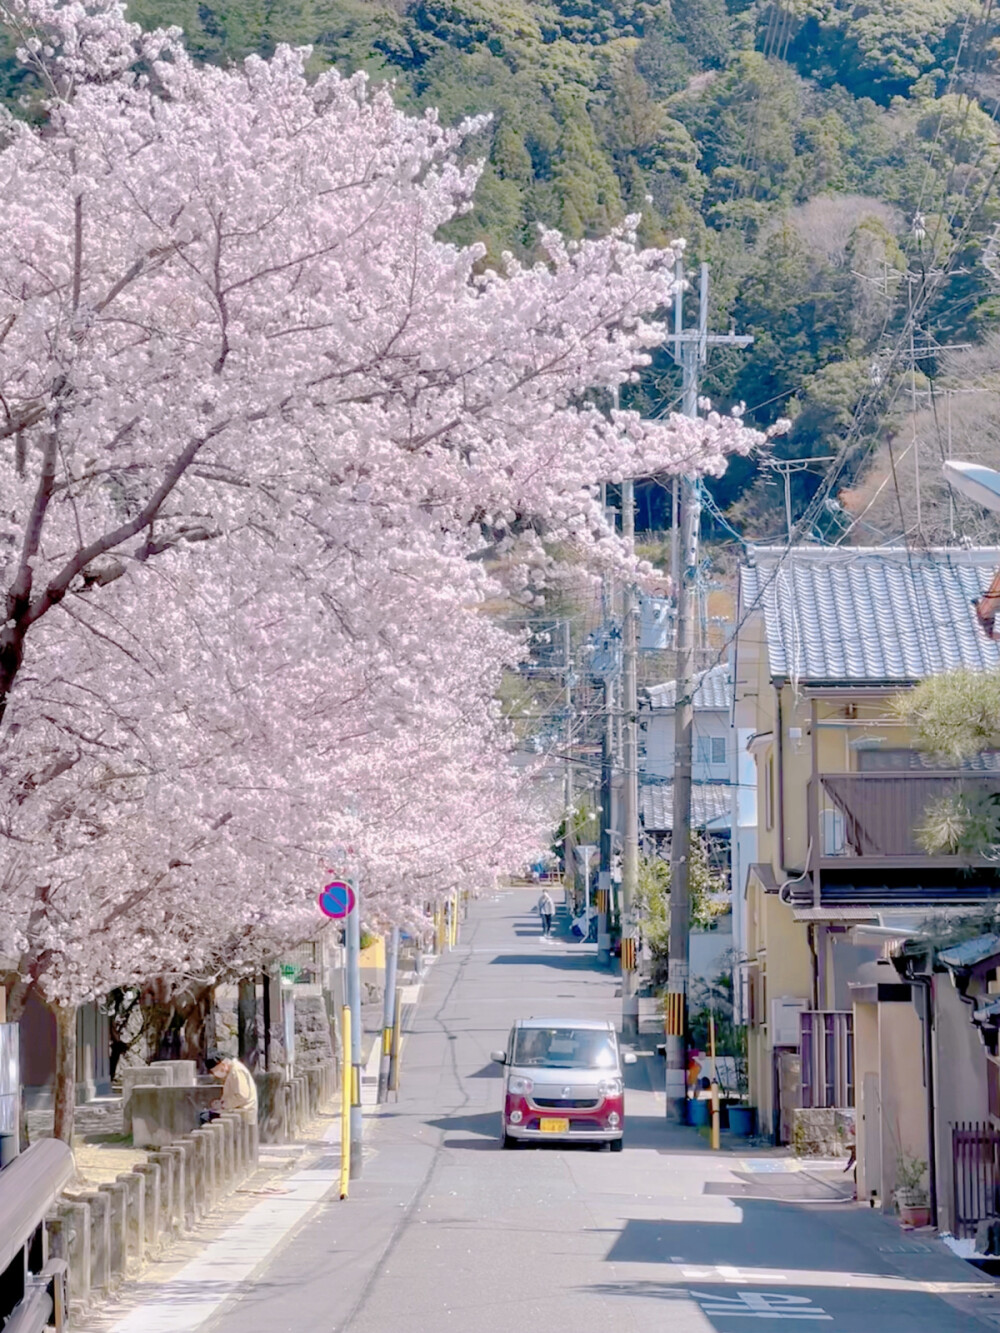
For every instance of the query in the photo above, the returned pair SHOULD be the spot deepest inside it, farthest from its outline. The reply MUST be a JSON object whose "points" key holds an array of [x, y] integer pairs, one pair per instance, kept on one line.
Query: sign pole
{"points": [[352, 939], [389, 1012], [347, 1083]]}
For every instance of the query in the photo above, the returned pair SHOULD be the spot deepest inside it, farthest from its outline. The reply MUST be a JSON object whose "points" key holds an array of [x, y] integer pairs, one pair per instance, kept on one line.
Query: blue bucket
{"points": [[741, 1120], [699, 1111]]}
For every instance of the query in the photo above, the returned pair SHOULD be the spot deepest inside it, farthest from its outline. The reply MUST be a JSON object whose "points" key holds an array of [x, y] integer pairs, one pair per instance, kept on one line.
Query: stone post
{"points": [[234, 1133], [216, 1151], [151, 1174], [179, 1155], [168, 1189], [135, 1226], [75, 1217], [117, 1222], [100, 1241], [208, 1188], [221, 1150]]}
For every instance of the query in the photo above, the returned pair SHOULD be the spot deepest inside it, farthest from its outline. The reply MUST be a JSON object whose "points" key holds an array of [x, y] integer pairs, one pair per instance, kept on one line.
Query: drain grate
{"points": [[906, 1247], [329, 1163]]}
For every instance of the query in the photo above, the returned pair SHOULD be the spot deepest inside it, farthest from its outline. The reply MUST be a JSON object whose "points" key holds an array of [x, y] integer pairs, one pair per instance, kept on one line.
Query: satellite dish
{"points": [[979, 483]]}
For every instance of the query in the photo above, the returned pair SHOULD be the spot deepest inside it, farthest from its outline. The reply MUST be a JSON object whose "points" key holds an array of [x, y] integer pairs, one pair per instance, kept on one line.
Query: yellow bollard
{"points": [[454, 919], [439, 929], [347, 1089]]}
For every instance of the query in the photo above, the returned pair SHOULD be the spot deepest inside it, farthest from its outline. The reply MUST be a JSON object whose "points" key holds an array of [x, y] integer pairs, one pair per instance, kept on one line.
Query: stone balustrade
{"points": [[105, 1235]]}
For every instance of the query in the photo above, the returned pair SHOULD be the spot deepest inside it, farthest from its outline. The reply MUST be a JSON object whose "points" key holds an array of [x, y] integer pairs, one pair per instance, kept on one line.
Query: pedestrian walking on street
{"points": [[546, 907]]}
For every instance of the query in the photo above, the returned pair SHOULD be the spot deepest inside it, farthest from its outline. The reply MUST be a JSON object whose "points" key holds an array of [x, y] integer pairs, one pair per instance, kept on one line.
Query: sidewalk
{"points": [[215, 1261]]}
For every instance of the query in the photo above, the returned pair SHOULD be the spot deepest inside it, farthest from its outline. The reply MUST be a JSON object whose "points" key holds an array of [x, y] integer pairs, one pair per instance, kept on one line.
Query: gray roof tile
{"points": [[711, 803], [870, 614], [714, 690], [971, 952]]}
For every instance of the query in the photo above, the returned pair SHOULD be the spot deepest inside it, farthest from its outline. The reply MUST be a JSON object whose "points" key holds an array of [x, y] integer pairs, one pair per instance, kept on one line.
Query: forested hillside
{"points": [[836, 163]]}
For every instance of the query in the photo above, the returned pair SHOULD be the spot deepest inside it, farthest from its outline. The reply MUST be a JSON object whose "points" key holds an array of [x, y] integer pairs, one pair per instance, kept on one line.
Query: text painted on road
{"points": [[759, 1305]]}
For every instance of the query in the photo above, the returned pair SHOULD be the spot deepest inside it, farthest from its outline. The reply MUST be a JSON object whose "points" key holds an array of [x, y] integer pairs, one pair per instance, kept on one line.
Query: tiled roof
{"points": [[870, 614], [714, 690], [971, 952], [711, 803]]}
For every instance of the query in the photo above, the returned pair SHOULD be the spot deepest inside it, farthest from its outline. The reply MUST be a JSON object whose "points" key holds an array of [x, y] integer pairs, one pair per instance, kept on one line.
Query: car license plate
{"points": [[550, 1126]]}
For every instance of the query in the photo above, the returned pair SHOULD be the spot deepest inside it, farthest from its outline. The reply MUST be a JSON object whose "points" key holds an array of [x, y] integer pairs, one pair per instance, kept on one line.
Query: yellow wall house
{"points": [[826, 637]]}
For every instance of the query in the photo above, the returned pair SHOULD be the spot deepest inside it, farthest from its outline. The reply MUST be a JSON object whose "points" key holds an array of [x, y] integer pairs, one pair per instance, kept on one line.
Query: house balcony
{"points": [[866, 846]]}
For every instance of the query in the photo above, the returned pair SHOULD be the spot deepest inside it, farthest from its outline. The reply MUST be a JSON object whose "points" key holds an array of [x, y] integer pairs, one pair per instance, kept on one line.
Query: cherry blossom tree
{"points": [[259, 426]]}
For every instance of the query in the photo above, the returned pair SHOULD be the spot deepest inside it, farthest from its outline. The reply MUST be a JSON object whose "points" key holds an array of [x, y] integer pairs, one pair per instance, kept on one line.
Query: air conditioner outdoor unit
{"points": [[785, 1010], [832, 835]]}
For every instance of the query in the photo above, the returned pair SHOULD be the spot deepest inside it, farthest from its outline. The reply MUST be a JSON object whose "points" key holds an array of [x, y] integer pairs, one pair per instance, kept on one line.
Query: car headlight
{"points": [[519, 1087], [611, 1087]]}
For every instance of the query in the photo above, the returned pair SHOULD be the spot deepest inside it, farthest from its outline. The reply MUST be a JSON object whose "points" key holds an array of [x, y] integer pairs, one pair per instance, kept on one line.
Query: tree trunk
{"points": [[65, 1089], [198, 1032], [247, 1022]]}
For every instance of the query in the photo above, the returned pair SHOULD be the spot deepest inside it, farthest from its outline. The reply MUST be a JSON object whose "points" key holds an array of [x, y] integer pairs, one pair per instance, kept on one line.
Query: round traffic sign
{"points": [[337, 900]]}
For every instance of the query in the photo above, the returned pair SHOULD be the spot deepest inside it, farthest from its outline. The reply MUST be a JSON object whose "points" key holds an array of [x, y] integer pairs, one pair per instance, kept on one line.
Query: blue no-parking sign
{"points": [[337, 900]]}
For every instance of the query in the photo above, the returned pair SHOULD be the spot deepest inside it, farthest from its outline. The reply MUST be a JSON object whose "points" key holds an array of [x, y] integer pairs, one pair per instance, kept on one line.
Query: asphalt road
{"points": [[446, 1233]]}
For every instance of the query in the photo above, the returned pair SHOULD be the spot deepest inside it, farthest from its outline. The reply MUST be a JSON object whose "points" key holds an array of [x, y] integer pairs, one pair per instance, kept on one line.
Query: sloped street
{"points": [[445, 1232]]}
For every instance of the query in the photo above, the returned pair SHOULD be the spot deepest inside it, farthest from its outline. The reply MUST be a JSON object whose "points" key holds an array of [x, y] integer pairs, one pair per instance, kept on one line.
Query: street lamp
{"points": [[979, 483]]}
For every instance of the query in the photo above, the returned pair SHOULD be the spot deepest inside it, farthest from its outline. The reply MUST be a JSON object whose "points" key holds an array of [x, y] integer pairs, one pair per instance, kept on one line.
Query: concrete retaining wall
{"points": [[820, 1132]]}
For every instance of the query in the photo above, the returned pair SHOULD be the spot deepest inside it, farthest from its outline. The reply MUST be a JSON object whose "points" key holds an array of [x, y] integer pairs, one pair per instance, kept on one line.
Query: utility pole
{"points": [[352, 1070], [690, 351], [630, 795], [569, 836], [607, 796], [784, 468], [915, 351]]}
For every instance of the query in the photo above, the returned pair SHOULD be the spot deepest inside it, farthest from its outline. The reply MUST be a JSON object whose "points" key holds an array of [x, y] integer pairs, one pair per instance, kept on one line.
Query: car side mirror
{"points": [[499, 1056], [629, 1058]]}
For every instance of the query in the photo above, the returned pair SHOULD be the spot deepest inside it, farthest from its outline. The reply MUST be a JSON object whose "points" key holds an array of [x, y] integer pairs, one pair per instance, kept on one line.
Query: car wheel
{"points": [[616, 1145]]}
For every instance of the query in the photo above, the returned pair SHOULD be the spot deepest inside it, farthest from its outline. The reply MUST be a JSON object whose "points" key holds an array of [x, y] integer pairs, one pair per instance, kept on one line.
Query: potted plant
{"points": [[911, 1196]]}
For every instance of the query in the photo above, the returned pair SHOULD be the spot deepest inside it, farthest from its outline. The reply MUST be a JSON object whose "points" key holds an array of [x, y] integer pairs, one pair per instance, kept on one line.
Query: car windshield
{"points": [[565, 1048]]}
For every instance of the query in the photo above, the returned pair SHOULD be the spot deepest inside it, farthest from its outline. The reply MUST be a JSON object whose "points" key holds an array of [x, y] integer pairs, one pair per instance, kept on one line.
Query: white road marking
{"points": [[760, 1305], [729, 1273]]}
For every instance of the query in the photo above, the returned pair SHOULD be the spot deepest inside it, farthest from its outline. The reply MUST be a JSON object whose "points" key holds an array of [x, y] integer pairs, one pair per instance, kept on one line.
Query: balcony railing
{"points": [[878, 816]]}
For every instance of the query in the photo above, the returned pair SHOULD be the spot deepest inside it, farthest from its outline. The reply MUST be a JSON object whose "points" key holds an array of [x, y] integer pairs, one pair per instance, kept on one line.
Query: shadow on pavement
{"points": [[565, 962], [845, 1280], [486, 1126], [841, 1309], [486, 1123]]}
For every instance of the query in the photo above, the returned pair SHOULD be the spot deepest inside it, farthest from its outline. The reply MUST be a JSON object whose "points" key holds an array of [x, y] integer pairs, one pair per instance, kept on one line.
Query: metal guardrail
{"points": [[32, 1287]]}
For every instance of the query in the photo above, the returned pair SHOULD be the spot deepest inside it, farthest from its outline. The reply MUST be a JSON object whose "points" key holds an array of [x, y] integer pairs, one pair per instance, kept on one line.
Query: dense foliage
{"points": [[814, 151], [955, 717]]}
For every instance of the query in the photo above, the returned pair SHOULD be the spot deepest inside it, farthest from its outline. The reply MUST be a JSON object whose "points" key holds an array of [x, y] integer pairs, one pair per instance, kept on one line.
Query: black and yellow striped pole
{"points": [[675, 1014], [628, 953]]}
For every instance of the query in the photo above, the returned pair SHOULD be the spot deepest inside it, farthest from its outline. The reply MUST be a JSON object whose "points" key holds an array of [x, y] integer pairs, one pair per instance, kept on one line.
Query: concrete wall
{"points": [[960, 1091], [778, 948], [743, 846], [901, 1088], [868, 1121], [658, 728], [711, 950]]}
